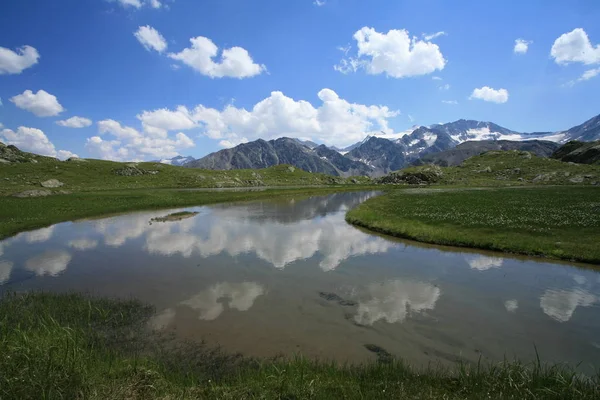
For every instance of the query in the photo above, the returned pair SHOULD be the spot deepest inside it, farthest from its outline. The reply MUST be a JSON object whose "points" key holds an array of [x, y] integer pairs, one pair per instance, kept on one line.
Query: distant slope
{"points": [[499, 168], [263, 154], [588, 131], [579, 152], [469, 149], [380, 154]]}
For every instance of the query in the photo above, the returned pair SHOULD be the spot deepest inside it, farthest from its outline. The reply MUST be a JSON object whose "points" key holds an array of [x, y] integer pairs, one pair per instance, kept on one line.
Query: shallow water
{"points": [[291, 276]]}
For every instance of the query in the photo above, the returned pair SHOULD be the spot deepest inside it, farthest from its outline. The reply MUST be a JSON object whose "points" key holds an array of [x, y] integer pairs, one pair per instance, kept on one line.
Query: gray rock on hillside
{"points": [[52, 183]]}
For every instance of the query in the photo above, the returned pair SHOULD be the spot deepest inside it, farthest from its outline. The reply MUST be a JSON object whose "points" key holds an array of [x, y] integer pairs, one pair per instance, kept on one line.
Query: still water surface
{"points": [[291, 276]]}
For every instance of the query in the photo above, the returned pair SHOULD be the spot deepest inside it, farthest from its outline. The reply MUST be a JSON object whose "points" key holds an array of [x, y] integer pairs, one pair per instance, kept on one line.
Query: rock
{"points": [[153, 172], [517, 171], [576, 179], [76, 159], [520, 179], [34, 161], [567, 174], [526, 156], [291, 169], [129, 170], [588, 176], [52, 183], [3, 161], [33, 193], [382, 354]]}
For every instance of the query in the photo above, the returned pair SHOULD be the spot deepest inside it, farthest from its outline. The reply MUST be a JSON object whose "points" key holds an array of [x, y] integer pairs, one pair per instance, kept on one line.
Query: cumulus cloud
{"points": [[14, 62], [394, 53], [159, 122], [335, 122], [483, 263], [575, 46], [445, 87], [83, 244], [150, 38], [393, 301], [235, 62], [486, 93], [33, 140], [51, 263], [42, 103], [451, 102], [560, 305], [75, 122], [521, 46], [131, 145]]}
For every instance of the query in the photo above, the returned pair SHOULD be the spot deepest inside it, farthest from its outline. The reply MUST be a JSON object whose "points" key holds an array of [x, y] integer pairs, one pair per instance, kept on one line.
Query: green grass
{"points": [[511, 168], [70, 346], [555, 222], [95, 175], [18, 215]]}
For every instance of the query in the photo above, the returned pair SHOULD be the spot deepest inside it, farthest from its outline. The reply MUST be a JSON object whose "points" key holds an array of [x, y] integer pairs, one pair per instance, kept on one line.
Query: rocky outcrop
{"points": [[414, 176], [133, 170], [579, 152]]}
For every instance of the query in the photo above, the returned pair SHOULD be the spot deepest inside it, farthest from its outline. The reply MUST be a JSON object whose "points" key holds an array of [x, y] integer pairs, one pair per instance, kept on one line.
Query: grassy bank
{"points": [[94, 175], [555, 222], [70, 346], [18, 214]]}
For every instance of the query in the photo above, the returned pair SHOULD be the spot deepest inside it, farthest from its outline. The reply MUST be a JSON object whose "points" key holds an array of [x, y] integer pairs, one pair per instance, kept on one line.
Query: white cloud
{"points": [[393, 53], [131, 145], [138, 4], [451, 102], [434, 35], [235, 62], [150, 38], [51, 263], [5, 270], [483, 263], [436, 78], [75, 122], [392, 301], [575, 46], [511, 305], [521, 46], [39, 235], [83, 244], [589, 74], [33, 140], [445, 87], [486, 93], [335, 122], [12, 62], [42, 103], [158, 122], [319, 3], [561, 304]]}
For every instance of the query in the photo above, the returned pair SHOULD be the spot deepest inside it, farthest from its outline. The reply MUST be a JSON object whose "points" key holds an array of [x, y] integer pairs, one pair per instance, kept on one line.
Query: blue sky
{"points": [[332, 72]]}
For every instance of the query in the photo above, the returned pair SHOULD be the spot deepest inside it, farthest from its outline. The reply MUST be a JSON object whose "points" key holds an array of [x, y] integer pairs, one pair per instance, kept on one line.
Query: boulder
{"points": [[52, 183]]}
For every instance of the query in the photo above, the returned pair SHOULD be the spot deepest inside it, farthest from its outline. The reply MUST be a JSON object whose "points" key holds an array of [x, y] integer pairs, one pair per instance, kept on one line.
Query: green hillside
{"points": [[500, 168], [25, 171]]}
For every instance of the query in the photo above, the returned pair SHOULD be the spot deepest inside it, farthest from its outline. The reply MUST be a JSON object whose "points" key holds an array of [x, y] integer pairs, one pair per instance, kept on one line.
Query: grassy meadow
{"points": [[71, 346], [555, 222]]}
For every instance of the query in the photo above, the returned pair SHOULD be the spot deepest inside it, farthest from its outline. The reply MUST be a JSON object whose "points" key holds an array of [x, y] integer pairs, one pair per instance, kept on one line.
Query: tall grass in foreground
{"points": [[71, 346]]}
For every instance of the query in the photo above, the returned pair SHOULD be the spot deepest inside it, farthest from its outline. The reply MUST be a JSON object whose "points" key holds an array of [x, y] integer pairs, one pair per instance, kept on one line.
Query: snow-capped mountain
{"points": [[381, 153], [177, 161]]}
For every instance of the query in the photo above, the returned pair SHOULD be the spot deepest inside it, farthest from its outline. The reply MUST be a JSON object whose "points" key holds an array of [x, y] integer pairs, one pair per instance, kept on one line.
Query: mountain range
{"points": [[380, 154]]}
